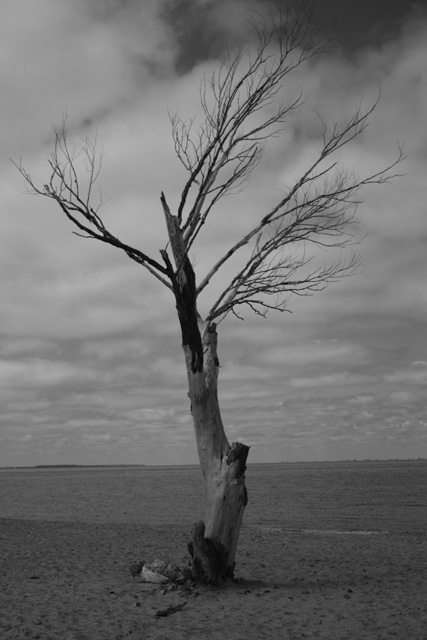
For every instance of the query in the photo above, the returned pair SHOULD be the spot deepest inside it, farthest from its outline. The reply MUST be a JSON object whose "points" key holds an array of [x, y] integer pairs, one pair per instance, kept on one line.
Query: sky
{"points": [[91, 365]]}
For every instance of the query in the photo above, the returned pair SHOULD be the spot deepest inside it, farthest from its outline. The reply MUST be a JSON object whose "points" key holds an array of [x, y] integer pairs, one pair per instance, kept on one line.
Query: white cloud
{"points": [[416, 374], [41, 373], [343, 378], [22, 346], [62, 56], [76, 313], [403, 397], [314, 351], [361, 399]]}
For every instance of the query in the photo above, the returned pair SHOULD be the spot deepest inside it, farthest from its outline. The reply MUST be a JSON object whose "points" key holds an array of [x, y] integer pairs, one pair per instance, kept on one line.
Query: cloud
{"points": [[361, 399], [342, 378], [90, 346], [14, 347], [402, 397], [76, 56], [416, 374], [314, 351], [334, 429], [41, 373]]}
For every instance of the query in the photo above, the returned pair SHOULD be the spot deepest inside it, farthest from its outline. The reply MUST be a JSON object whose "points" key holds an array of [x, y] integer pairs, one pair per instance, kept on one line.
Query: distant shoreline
{"points": [[74, 466], [177, 466]]}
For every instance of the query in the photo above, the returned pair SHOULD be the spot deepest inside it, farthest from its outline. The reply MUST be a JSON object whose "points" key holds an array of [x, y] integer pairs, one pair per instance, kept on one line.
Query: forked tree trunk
{"points": [[214, 543]]}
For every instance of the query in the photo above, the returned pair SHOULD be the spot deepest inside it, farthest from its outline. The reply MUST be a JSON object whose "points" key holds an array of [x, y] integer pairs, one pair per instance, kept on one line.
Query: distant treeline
{"points": [[62, 466], [73, 466], [286, 462]]}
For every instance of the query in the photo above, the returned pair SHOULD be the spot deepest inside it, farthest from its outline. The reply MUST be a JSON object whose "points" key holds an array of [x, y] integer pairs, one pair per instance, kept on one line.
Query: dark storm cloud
{"points": [[91, 367], [194, 27], [356, 25], [202, 31]]}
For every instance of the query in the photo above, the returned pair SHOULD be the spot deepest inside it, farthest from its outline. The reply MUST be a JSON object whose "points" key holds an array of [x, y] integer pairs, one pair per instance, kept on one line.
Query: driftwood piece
{"points": [[152, 576]]}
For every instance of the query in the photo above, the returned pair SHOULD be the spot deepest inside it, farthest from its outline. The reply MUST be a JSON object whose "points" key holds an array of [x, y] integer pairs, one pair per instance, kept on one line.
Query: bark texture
{"points": [[214, 542]]}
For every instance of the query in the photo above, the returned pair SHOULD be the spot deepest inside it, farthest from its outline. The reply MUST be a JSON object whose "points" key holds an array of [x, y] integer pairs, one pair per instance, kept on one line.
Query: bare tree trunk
{"points": [[214, 542], [242, 109]]}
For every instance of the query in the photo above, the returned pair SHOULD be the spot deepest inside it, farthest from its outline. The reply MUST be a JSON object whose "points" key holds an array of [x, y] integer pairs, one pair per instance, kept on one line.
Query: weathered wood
{"points": [[209, 558], [214, 543]]}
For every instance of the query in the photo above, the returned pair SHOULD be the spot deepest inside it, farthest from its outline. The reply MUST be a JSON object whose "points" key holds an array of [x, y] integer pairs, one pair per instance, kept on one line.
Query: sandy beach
{"points": [[70, 580]]}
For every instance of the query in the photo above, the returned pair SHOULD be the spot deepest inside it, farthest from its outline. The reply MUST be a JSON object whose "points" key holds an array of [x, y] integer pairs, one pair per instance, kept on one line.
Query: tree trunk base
{"points": [[209, 559], [213, 545]]}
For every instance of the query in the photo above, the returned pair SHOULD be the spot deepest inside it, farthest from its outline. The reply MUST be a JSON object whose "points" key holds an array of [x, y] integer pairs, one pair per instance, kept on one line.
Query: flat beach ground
{"points": [[333, 551]]}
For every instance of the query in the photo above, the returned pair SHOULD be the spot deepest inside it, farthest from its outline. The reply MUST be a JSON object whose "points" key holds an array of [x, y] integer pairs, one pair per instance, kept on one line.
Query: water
{"points": [[357, 498]]}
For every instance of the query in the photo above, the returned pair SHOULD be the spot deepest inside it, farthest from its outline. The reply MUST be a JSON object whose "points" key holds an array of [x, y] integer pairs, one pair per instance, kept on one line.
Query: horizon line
{"points": [[124, 464]]}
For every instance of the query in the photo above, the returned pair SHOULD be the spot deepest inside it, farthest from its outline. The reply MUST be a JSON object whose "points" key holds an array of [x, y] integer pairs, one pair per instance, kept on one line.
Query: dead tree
{"points": [[243, 109]]}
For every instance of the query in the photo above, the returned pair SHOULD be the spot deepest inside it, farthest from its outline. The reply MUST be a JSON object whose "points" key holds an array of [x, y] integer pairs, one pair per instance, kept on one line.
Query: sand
{"points": [[66, 580]]}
